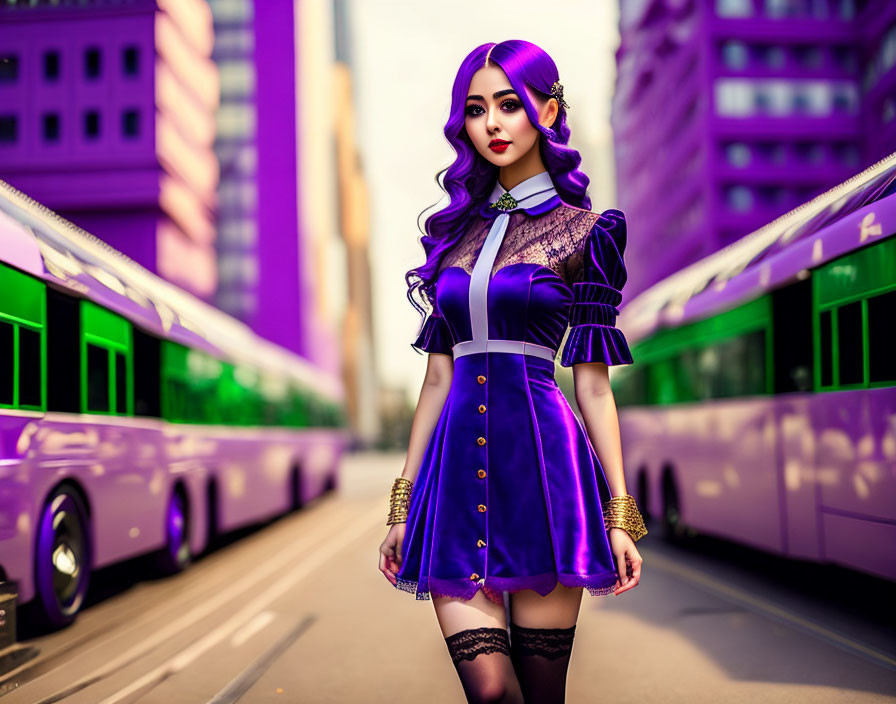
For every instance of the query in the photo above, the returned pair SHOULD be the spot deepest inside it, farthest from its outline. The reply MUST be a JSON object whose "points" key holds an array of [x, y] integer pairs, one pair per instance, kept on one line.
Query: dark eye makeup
{"points": [[509, 105]]}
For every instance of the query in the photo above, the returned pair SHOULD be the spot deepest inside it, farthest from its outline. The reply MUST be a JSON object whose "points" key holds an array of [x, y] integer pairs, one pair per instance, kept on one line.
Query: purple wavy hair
{"points": [[470, 179]]}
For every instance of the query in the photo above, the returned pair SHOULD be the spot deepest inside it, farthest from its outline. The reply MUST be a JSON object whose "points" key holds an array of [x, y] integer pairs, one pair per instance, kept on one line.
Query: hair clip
{"points": [[557, 92]]}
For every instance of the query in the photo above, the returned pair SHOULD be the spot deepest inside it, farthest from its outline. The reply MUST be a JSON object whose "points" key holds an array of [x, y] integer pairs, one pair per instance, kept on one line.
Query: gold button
{"points": [[480, 379], [480, 440], [480, 543], [481, 473], [481, 408], [481, 508], [474, 576]]}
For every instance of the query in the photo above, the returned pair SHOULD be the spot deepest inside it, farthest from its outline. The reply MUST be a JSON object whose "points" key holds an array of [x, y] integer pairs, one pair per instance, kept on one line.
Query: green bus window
{"points": [[29, 367], [849, 343], [881, 337], [7, 363], [121, 383], [97, 378], [825, 342]]}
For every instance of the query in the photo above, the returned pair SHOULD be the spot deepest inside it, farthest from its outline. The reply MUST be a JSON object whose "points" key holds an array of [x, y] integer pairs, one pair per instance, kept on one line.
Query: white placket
{"points": [[528, 194]]}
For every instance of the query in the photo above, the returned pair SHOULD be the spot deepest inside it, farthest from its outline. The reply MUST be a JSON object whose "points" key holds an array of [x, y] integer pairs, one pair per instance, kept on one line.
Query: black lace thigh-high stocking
{"points": [[540, 657], [482, 659]]}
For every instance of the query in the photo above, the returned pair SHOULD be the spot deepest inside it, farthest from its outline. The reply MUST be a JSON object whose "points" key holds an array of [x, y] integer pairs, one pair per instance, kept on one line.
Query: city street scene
{"points": [[381, 351]]}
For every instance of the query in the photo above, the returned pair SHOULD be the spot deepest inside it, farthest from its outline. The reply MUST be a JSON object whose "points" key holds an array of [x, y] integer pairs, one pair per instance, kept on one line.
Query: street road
{"points": [[297, 611]]}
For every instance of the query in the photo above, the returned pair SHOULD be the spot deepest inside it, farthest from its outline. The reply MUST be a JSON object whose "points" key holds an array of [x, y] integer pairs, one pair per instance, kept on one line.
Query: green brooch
{"points": [[505, 202]]}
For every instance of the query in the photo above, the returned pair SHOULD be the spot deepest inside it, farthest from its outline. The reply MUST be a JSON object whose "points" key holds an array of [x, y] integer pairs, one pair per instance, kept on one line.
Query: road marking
{"points": [[776, 612], [241, 684], [188, 655], [321, 533], [253, 627]]}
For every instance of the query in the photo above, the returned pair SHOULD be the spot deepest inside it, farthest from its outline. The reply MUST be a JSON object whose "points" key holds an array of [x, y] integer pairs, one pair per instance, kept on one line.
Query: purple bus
{"points": [[762, 404], [135, 418]]}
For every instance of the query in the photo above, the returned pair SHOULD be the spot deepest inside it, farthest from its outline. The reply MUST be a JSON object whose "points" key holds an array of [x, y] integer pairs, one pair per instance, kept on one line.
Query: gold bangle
{"points": [[399, 501], [622, 512]]}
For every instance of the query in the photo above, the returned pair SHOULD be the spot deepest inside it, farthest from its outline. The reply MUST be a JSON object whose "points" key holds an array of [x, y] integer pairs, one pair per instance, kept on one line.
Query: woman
{"points": [[510, 497]]}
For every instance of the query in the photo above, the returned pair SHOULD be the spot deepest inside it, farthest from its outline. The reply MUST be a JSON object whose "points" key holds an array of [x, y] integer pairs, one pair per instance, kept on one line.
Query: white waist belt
{"points": [[511, 346]]}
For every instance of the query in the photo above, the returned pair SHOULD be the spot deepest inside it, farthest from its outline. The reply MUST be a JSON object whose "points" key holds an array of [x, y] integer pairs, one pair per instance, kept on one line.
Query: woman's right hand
{"points": [[390, 552]]}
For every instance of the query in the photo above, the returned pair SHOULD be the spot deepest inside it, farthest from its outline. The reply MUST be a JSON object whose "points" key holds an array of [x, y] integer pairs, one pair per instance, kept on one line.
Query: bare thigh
{"points": [[456, 614], [557, 609]]}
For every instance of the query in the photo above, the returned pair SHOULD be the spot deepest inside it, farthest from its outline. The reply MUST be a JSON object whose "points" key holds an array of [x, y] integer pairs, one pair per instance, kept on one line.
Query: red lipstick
{"points": [[498, 145]]}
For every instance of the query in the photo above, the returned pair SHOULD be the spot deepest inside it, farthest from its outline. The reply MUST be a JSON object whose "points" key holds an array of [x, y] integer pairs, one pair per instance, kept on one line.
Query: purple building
{"points": [[260, 257], [107, 115], [728, 113]]}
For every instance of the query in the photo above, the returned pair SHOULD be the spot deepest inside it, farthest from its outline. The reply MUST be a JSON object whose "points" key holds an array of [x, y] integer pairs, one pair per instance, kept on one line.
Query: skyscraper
{"points": [[107, 116], [729, 113]]}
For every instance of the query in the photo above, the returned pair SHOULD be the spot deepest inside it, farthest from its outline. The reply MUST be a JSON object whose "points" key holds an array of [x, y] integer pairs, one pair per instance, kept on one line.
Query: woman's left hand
{"points": [[628, 560]]}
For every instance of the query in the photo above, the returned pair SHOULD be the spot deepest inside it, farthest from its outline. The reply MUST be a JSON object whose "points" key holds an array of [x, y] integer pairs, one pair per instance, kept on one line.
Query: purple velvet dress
{"points": [[509, 493]]}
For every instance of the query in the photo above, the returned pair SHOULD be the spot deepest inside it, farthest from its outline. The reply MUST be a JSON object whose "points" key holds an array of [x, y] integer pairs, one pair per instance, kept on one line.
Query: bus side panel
{"points": [[726, 466], [639, 429], [797, 478], [118, 463], [869, 546], [857, 452], [17, 508]]}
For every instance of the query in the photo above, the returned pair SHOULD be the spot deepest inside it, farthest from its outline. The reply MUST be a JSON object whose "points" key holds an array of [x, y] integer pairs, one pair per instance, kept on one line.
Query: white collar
{"points": [[534, 190]]}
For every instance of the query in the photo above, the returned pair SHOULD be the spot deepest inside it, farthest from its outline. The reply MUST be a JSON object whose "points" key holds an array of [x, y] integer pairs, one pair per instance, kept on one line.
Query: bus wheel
{"points": [[673, 528], [176, 555], [62, 559]]}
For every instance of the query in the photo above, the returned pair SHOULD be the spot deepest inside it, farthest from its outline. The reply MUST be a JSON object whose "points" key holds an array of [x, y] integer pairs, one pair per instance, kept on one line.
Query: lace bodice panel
{"points": [[553, 239]]}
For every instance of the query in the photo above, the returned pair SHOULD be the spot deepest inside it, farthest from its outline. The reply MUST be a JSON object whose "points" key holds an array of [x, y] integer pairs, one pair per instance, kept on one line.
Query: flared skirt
{"points": [[509, 492]]}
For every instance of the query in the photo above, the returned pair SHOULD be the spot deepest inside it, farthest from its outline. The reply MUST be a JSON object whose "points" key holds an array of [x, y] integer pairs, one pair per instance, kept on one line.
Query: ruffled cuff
{"points": [[435, 337], [595, 343]]}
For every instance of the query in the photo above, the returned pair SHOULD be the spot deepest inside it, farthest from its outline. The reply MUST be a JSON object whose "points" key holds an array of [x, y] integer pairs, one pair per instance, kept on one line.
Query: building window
{"points": [[92, 124], [130, 61], [734, 8], [845, 97], [734, 97], [800, 102], [737, 154], [735, 55], [809, 152], [845, 58], [9, 68], [130, 123], [739, 198], [846, 153], [51, 66], [772, 152], [51, 127], [888, 110], [779, 8], [774, 57], [92, 63], [9, 128], [237, 78]]}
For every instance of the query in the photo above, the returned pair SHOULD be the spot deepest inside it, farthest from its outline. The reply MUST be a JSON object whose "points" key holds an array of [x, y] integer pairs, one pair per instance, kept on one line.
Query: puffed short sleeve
{"points": [[593, 335], [435, 335]]}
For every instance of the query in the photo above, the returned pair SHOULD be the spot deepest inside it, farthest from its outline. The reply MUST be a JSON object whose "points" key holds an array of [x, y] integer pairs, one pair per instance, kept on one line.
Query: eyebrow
{"points": [[497, 95]]}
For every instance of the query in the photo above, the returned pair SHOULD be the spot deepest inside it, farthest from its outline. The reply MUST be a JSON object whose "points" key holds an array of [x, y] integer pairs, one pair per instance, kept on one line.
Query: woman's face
{"points": [[496, 121]]}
